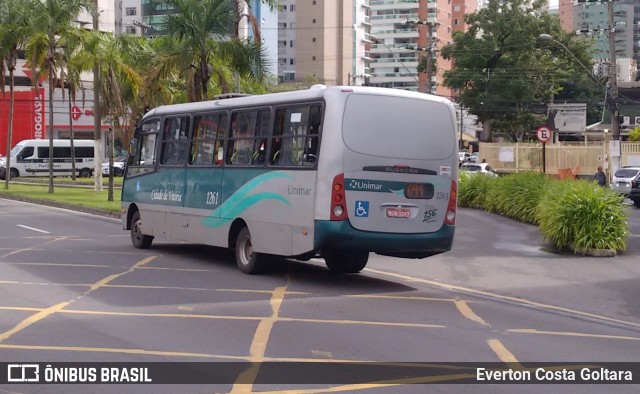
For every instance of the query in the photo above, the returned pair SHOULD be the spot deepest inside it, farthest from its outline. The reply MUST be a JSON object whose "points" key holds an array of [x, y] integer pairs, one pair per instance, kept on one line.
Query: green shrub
{"points": [[473, 189], [580, 215], [517, 195]]}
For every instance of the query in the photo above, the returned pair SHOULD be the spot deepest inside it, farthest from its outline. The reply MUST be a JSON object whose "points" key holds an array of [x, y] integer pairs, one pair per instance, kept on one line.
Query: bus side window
{"points": [[276, 143], [175, 144]]}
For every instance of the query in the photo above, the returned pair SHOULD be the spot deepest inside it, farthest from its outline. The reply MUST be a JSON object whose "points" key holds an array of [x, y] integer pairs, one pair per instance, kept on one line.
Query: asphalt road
{"points": [[73, 289]]}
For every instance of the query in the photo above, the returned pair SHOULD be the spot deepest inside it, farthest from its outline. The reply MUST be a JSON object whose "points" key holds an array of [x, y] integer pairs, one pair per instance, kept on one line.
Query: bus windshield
{"points": [[396, 127]]}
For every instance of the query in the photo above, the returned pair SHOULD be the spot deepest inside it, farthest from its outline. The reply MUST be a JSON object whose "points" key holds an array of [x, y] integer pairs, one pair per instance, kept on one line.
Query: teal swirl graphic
{"points": [[240, 201]]}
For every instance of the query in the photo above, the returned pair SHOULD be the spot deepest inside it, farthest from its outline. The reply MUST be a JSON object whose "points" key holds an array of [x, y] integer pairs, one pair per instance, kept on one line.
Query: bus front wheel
{"points": [[247, 260], [345, 261], [139, 240], [13, 173]]}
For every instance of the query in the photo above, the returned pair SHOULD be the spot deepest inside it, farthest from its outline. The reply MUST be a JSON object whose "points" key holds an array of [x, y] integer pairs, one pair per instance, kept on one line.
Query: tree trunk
{"points": [[73, 152], [486, 131], [7, 164], [51, 87]]}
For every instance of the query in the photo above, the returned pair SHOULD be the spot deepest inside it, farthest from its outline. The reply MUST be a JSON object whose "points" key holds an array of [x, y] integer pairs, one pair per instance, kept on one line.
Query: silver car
{"points": [[623, 179]]}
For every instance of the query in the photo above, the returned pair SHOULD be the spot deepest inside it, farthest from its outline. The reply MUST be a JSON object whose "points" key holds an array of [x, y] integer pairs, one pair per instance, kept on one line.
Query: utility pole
{"points": [[429, 55], [97, 118], [613, 94]]}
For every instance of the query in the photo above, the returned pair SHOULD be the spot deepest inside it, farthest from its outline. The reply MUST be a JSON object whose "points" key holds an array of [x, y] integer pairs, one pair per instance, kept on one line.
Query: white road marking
{"points": [[32, 228]]}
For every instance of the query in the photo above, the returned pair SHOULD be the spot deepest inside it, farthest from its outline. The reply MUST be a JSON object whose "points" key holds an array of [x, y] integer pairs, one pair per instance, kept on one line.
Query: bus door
{"points": [[204, 175], [399, 163]]}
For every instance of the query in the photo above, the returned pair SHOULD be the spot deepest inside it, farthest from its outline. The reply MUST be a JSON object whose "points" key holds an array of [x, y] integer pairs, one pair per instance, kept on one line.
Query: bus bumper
{"points": [[341, 235]]}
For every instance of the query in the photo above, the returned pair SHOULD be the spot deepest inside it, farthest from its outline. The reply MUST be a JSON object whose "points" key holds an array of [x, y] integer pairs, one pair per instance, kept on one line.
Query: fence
{"points": [[582, 158]]}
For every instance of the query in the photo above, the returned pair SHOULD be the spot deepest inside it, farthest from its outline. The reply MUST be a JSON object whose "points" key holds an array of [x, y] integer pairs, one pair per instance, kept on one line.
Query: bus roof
{"points": [[315, 92]]}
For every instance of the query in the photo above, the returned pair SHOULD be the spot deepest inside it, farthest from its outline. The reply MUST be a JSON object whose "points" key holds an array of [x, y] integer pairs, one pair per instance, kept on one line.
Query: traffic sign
{"points": [[75, 112], [544, 134]]}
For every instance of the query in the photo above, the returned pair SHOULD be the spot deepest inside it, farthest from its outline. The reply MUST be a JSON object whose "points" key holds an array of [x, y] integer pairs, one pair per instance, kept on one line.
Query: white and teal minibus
{"points": [[336, 172]]}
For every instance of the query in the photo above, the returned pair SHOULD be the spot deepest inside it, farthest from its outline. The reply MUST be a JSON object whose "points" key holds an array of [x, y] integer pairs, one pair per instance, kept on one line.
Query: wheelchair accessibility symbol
{"points": [[362, 209]]}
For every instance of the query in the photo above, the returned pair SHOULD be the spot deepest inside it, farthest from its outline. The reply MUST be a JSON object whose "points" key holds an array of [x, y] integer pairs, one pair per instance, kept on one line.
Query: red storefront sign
{"points": [[28, 117]]}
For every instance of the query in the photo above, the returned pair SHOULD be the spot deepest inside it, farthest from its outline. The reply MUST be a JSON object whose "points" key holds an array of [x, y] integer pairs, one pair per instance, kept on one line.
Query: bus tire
{"points": [[13, 173], [139, 240], [345, 261], [85, 173], [247, 260]]}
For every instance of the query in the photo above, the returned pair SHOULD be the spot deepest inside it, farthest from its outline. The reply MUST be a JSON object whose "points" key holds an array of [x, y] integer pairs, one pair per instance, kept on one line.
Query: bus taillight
{"points": [[450, 218], [338, 210]]}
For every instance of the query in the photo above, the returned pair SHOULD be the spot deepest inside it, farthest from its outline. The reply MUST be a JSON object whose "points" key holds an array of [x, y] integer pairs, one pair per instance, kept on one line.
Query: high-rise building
{"points": [[129, 17], [406, 33], [592, 19], [287, 41]]}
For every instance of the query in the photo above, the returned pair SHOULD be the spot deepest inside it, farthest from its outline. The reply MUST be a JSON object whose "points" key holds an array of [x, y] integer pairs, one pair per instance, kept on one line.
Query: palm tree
{"points": [[201, 49], [14, 30], [70, 68], [52, 25], [116, 75]]}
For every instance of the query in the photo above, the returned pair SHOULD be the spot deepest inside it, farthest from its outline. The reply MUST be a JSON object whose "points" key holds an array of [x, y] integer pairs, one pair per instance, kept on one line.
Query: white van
{"points": [[31, 158]]}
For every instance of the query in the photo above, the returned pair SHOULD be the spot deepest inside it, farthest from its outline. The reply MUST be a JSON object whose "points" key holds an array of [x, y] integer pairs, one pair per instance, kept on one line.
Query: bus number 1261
{"points": [[212, 198]]}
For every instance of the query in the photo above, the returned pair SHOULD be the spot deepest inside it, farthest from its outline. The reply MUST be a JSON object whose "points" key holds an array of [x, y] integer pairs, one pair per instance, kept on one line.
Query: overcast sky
{"points": [[554, 3]]}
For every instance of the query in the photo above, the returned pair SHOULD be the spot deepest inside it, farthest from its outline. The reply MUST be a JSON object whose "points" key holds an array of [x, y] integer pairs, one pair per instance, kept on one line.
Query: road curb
{"points": [[72, 207]]}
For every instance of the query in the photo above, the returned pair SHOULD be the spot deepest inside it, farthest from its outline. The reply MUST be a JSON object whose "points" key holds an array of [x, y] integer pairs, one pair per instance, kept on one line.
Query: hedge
{"points": [[574, 215]]}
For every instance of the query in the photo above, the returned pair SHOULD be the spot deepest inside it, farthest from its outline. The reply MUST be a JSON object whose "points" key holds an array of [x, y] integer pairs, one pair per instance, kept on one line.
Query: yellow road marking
{"points": [[416, 298], [32, 320], [60, 306], [465, 310], [516, 300], [258, 347], [231, 317], [503, 354], [104, 281], [123, 351], [11, 282], [363, 322], [64, 265], [571, 334], [51, 240]]}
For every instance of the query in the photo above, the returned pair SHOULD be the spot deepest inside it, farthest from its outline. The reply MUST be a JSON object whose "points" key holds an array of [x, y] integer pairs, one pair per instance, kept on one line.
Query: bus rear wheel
{"points": [[248, 261], [345, 261], [85, 173], [139, 240]]}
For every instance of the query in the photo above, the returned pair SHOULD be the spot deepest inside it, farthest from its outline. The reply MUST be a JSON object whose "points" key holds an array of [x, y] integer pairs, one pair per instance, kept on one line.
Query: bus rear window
{"points": [[398, 127]]}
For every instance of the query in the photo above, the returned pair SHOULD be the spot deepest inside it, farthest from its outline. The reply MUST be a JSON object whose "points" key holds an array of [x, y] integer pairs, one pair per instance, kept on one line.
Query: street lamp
{"points": [[548, 37]]}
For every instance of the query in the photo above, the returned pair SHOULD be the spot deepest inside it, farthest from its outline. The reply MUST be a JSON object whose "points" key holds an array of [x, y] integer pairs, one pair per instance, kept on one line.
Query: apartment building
{"points": [[592, 19], [129, 17]]}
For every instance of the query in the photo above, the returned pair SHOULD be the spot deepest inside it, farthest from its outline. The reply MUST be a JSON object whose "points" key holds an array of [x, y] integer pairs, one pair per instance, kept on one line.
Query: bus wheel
{"points": [[13, 173], [85, 173], [139, 240], [345, 261], [247, 260]]}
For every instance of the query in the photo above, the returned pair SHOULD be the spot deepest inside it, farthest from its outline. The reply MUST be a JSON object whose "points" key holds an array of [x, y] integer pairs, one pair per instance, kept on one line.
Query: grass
{"points": [[117, 181], [79, 196]]}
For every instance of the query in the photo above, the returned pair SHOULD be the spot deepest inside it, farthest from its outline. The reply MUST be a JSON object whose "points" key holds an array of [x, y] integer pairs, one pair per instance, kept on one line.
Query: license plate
{"points": [[395, 212]]}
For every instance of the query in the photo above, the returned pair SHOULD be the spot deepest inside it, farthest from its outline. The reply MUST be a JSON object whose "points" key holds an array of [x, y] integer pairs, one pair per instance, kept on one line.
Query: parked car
{"points": [[463, 157], [624, 178], [474, 158], [118, 166], [478, 168]]}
